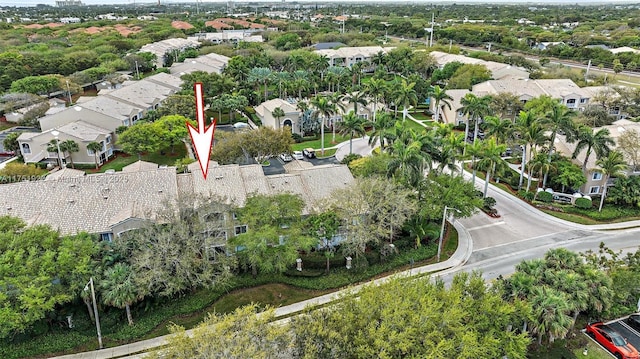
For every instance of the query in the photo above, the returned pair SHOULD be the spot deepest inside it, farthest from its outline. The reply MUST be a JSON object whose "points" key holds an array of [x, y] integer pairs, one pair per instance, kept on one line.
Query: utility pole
{"points": [[95, 310], [137, 71], [586, 74], [69, 93], [489, 48], [431, 35], [450, 43]]}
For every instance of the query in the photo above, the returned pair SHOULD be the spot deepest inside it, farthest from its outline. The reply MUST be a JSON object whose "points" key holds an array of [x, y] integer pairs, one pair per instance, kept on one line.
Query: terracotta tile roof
{"points": [[218, 25], [181, 25]]}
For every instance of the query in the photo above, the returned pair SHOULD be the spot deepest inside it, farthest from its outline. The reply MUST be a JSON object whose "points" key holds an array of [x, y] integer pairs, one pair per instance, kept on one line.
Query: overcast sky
{"points": [[96, 2]]}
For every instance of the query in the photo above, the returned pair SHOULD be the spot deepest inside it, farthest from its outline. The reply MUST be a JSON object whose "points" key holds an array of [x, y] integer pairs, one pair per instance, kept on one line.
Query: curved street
{"points": [[491, 245]]}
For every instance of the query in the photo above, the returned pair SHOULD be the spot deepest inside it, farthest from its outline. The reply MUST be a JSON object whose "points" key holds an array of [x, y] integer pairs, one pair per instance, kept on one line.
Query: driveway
{"points": [[360, 146]]}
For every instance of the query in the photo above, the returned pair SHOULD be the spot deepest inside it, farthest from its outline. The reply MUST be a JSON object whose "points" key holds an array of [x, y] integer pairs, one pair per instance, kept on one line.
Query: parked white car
{"points": [[298, 155], [285, 157]]}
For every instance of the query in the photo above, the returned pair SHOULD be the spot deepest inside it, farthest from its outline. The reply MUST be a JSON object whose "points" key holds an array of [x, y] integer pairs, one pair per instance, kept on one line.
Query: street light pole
{"points": [[444, 218], [55, 135], [137, 71], [69, 93], [95, 310]]}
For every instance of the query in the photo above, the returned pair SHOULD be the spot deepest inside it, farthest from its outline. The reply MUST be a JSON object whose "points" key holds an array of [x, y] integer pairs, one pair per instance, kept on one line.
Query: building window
{"points": [[364, 116], [106, 237], [583, 100], [597, 176], [104, 146], [90, 153], [134, 118], [108, 139], [241, 229], [26, 149], [571, 101], [594, 189]]}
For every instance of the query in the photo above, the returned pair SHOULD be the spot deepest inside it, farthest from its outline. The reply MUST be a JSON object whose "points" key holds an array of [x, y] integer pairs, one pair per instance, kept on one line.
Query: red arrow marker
{"points": [[201, 137]]}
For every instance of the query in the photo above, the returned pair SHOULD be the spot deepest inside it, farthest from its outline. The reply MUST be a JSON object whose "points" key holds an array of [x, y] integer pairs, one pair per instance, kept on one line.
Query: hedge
{"points": [[583, 203], [545, 197]]}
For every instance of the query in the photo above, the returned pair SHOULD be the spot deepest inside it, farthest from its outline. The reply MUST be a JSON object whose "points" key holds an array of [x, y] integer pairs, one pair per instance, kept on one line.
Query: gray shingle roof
{"points": [[140, 166], [88, 203]]}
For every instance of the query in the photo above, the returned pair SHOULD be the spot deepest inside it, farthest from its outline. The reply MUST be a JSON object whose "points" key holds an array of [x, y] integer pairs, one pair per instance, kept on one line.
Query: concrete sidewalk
{"points": [[133, 350]]}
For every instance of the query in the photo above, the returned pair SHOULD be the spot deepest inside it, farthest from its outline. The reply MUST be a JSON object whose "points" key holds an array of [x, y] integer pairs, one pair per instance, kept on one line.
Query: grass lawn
{"points": [[121, 159], [316, 143], [572, 348], [420, 116], [414, 125], [327, 153]]}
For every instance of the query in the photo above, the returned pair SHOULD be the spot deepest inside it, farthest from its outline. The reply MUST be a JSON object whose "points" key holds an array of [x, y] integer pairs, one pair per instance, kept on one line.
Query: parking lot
{"points": [[630, 334]]}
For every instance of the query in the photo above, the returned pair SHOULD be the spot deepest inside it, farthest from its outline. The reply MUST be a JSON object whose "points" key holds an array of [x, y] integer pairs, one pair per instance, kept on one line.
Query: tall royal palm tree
{"points": [[408, 161], [406, 96], [613, 165], [599, 142], [531, 134], [475, 108], [453, 144], [323, 109], [119, 289], [440, 99], [375, 89], [356, 98], [300, 80], [498, 128], [559, 119], [352, 125], [543, 165], [260, 75], [492, 161], [335, 75], [337, 99], [95, 147], [474, 151], [382, 131], [282, 77]]}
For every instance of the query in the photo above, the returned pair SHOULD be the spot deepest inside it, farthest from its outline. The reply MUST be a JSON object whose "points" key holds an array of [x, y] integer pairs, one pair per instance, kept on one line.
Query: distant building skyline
{"points": [[531, 2]]}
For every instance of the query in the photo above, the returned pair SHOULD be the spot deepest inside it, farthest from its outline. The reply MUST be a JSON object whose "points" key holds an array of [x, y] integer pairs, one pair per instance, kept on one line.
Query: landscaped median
{"points": [[273, 290]]}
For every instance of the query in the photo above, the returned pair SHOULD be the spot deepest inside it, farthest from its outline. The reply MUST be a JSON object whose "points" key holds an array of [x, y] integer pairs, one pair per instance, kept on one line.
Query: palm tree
{"points": [[352, 125], [453, 144], [612, 165], [408, 160], [382, 130], [560, 118], [498, 128], [439, 96], [357, 97], [300, 81], [375, 89], [492, 161], [531, 134], [335, 74], [260, 75], [474, 151], [379, 58], [598, 142], [278, 113], [70, 147], [52, 147], [406, 96], [119, 289], [550, 309], [282, 77], [323, 109], [475, 108], [94, 147], [543, 165]]}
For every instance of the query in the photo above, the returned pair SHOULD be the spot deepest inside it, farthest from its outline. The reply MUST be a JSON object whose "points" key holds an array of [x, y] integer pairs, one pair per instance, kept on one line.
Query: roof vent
{"points": [[9, 208], [71, 201], [105, 197], [159, 191], [72, 185], [219, 177]]}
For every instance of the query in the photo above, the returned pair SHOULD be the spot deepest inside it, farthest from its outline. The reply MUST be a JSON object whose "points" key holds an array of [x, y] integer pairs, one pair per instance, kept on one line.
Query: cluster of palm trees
{"points": [[535, 129], [69, 147]]}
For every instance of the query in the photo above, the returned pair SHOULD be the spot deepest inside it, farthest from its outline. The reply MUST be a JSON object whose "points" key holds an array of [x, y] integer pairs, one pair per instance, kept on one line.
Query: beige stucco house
{"points": [[595, 179], [499, 71], [348, 56], [33, 145], [291, 116]]}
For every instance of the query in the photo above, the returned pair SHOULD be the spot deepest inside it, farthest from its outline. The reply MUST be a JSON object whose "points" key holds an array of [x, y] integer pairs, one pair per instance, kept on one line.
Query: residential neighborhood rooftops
{"points": [[498, 69], [84, 131], [270, 105], [364, 51], [65, 173], [140, 166], [87, 203]]}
